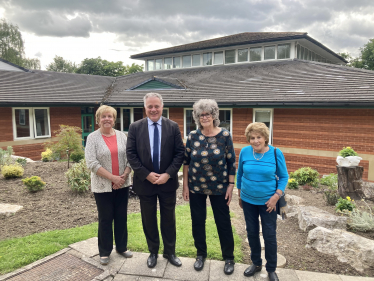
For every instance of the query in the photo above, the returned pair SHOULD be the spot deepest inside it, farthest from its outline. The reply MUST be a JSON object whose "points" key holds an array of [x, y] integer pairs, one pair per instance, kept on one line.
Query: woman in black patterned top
{"points": [[209, 169]]}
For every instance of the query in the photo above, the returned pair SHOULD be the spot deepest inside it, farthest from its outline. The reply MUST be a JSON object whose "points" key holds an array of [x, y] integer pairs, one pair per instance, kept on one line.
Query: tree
{"points": [[134, 68], [102, 67], [365, 59], [31, 63], [59, 64]]}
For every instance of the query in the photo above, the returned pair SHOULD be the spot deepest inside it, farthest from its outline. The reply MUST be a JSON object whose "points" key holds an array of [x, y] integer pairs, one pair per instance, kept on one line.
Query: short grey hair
{"points": [[149, 95], [206, 105]]}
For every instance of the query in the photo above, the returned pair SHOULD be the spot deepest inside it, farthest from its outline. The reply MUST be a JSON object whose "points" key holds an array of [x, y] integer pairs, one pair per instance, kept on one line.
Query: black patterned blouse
{"points": [[211, 160]]}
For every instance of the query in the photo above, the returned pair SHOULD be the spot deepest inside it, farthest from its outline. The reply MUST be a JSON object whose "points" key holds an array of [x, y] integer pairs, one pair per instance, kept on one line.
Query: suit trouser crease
{"points": [[148, 205], [112, 207], [269, 232], [222, 219]]}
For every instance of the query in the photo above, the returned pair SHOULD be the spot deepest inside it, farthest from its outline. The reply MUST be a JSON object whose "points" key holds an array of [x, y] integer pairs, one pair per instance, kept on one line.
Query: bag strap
{"points": [[276, 167]]}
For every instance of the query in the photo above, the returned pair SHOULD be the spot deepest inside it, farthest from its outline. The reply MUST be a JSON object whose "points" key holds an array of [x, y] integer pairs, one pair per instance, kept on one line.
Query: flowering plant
{"points": [[345, 204], [293, 184], [347, 151]]}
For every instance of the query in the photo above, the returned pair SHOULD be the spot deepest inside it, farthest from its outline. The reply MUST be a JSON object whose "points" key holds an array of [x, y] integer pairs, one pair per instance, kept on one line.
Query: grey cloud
{"points": [[38, 54]]}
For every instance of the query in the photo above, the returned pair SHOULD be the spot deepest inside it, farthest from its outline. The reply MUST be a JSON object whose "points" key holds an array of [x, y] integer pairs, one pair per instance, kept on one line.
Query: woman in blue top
{"points": [[209, 170], [258, 195]]}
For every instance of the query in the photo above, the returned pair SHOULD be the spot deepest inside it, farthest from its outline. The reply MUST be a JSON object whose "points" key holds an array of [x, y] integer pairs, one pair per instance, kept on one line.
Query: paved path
{"points": [[80, 262]]}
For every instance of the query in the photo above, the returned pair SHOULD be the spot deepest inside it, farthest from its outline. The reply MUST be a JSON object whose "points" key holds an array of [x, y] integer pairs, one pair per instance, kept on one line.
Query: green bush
{"points": [[6, 156], [306, 175], [34, 183], [22, 161], [330, 180], [331, 196], [77, 156], [79, 177], [293, 184], [345, 204], [347, 151], [12, 171], [47, 155]]}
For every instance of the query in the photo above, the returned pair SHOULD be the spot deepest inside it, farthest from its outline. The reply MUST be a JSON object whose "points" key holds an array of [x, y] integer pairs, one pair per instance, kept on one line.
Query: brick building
{"points": [[312, 103]]}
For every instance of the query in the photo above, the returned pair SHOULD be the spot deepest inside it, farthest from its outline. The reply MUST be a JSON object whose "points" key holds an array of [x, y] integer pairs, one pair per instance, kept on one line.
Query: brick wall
{"points": [[176, 114], [241, 118], [64, 116], [6, 125]]}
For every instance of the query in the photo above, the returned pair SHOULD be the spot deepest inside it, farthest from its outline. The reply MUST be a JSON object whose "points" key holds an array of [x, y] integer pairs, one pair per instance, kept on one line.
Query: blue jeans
{"points": [[269, 232]]}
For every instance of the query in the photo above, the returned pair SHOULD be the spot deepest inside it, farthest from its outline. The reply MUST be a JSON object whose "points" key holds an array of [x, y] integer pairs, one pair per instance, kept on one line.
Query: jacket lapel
{"points": [[145, 133]]}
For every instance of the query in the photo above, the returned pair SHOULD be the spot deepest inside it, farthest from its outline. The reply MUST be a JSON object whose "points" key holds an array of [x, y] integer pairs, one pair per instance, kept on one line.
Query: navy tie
{"points": [[156, 167]]}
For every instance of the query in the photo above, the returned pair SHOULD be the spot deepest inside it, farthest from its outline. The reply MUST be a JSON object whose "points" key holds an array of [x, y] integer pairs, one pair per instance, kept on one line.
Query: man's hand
{"points": [[163, 178], [153, 177], [229, 193]]}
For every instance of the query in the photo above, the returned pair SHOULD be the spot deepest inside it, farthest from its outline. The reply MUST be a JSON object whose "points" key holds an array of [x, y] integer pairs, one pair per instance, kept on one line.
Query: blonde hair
{"points": [[257, 128], [105, 108]]}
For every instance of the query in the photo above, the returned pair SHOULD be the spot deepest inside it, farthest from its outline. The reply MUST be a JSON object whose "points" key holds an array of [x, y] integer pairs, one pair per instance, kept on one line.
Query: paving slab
{"points": [[281, 260], [187, 271], [153, 279], [262, 275], [313, 276], [137, 265], [115, 263], [122, 277], [355, 278], [287, 274], [87, 247], [217, 274]]}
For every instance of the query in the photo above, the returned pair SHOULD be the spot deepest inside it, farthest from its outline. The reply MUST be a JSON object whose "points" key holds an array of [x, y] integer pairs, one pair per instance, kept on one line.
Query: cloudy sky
{"points": [[116, 29]]}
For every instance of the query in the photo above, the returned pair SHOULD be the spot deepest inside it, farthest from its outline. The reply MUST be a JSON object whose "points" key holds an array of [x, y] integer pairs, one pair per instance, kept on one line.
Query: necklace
{"points": [[254, 155]]}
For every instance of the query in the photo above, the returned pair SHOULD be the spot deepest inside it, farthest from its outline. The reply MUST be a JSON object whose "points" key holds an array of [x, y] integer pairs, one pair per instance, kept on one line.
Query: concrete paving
{"points": [[135, 268]]}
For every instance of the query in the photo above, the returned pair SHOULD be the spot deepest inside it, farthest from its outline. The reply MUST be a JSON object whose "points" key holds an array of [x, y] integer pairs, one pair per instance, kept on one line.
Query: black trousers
{"points": [[222, 219], [112, 206], [148, 205]]}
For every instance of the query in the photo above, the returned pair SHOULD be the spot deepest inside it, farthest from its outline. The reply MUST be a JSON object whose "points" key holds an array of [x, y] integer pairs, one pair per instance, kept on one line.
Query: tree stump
{"points": [[350, 182]]}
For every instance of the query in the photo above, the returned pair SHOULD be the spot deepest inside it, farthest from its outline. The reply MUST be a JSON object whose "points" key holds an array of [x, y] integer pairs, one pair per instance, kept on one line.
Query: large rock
{"points": [[293, 199], [346, 246], [310, 217]]}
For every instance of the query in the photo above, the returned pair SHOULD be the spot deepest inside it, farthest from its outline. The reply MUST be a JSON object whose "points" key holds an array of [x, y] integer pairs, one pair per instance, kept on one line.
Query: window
{"points": [[255, 54], [150, 65], [301, 52], [229, 56], [196, 60], [298, 52], [218, 58], [29, 123], [207, 59], [313, 56], [264, 115], [305, 54], [243, 55], [284, 51], [158, 64], [165, 113], [168, 63], [308, 55], [269, 53], [225, 119], [176, 62], [186, 61]]}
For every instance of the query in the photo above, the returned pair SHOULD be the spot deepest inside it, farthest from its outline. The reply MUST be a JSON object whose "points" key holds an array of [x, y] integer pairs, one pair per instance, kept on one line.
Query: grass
{"points": [[18, 252]]}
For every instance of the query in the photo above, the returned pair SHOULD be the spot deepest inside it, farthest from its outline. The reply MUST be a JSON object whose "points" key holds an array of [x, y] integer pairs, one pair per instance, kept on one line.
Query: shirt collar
{"points": [[150, 122]]}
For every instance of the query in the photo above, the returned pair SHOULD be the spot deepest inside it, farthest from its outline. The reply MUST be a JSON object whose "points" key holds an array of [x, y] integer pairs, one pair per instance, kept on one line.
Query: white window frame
{"points": [[32, 129], [167, 109], [271, 120], [132, 115]]}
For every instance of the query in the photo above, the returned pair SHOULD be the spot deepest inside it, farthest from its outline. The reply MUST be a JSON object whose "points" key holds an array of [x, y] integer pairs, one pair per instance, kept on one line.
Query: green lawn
{"points": [[18, 252]]}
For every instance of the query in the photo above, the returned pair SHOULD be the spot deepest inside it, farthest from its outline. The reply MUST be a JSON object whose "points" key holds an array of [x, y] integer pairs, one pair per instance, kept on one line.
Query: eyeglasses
{"points": [[207, 115]]}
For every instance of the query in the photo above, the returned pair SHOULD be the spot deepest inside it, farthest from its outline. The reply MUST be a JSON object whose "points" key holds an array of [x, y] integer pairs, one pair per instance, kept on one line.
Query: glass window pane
{"points": [[196, 60], [305, 53], [22, 123], [309, 55], [218, 58], [167, 63], [298, 52], [301, 52], [117, 124], [323, 59], [186, 61], [158, 64], [255, 54], [41, 122], [190, 123], [243, 55], [126, 119], [87, 124], [263, 116], [313, 56], [138, 113], [207, 59], [176, 62], [269, 53], [151, 65], [224, 118], [284, 51], [165, 113], [230, 56]]}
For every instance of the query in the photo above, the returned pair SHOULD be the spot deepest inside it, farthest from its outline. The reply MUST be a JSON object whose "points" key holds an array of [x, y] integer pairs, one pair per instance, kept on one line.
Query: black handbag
{"points": [[282, 203]]}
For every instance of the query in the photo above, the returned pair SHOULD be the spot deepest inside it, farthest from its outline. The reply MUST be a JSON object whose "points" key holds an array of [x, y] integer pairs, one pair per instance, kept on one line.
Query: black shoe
{"points": [[273, 276], [173, 259], [152, 260], [250, 271], [199, 263], [229, 267]]}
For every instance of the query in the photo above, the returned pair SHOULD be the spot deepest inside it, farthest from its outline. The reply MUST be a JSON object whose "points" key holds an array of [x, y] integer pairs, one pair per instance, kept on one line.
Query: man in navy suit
{"points": [[155, 151]]}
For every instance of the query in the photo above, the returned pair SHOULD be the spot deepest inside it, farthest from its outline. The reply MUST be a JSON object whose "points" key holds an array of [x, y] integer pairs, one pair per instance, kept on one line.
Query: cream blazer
{"points": [[98, 155]]}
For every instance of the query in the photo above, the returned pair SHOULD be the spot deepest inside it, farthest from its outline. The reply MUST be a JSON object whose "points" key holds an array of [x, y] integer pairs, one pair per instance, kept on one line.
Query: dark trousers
{"points": [[112, 206], [269, 232], [222, 219], [148, 205]]}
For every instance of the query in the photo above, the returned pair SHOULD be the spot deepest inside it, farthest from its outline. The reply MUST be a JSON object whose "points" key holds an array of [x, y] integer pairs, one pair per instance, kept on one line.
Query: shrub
{"points": [[34, 184], [12, 171], [293, 184], [331, 196], [345, 204], [47, 155], [361, 221], [6, 156], [79, 177], [306, 175], [347, 151], [22, 161], [330, 180], [77, 156]]}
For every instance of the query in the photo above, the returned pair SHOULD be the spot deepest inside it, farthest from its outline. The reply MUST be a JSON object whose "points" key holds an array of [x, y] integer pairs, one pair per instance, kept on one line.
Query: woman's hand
{"points": [[272, 203], [186, 193], [228, 196], [118, 181]]}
